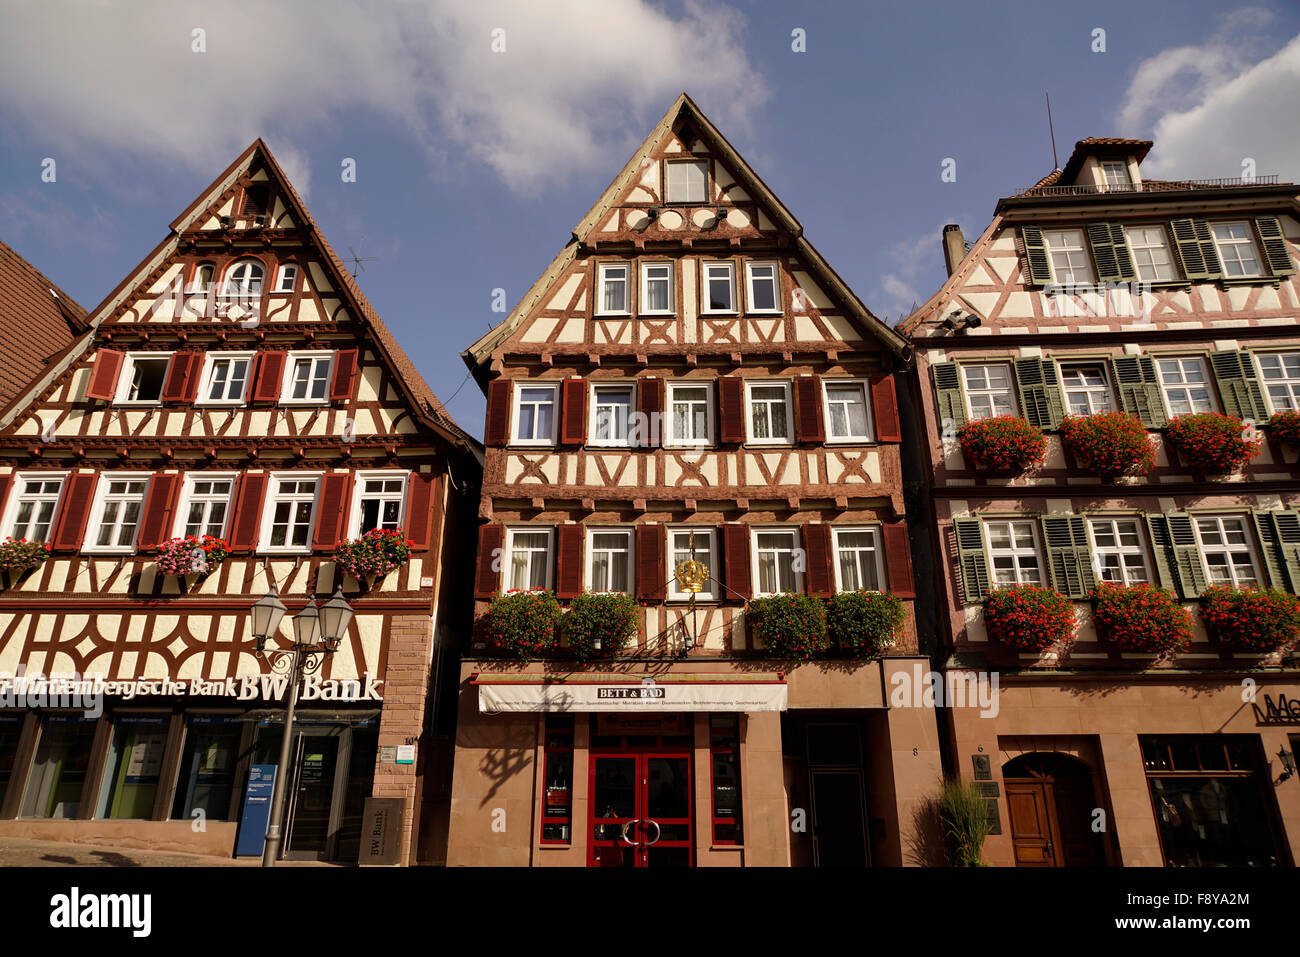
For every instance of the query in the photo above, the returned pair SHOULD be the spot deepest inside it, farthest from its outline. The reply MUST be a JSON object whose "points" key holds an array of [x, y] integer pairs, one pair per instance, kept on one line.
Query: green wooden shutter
{"points": [[1238, 382], [971, 558], [947, 383], [1186, 555], [1161, 550], [1275, 249], [1139, 389], [1040, 394], [1279, 536], [1040, 269], [1069, 556], [1195, 245], [1111, 253]]}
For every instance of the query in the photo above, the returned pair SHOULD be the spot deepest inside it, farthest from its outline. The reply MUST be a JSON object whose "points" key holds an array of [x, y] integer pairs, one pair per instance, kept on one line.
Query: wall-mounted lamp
{"points": [[956, 322], [1288, 763]]}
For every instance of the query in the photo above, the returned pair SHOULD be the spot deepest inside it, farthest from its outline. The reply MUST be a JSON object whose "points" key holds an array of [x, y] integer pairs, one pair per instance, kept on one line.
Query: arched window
{"points": [[244, 280]]}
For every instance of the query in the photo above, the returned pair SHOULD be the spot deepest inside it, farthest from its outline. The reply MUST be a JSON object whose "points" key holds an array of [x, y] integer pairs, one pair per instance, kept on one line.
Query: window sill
{"points": [[611, 315], [106, 552], [518, 444], [645, 314], [138, 403], [720, 314], [765, 312], [319, 402], [283, 552], [770, 444], [852, 440]]}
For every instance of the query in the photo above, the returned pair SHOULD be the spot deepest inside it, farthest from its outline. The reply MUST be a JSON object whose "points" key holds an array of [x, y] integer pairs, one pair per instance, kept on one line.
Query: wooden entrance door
{"points": [[1050, 800], [641, 809]]}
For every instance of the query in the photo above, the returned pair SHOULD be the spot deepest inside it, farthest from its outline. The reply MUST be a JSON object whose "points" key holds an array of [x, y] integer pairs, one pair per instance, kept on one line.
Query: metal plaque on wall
{"points": [[381, 831]]}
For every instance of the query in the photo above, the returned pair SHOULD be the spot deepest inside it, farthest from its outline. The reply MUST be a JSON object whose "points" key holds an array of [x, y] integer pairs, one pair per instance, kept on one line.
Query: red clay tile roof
{"points": [[38, 320]]}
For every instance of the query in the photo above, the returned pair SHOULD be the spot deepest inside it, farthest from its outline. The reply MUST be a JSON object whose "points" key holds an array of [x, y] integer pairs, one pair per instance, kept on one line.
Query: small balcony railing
{"points": [[1158, 186]]}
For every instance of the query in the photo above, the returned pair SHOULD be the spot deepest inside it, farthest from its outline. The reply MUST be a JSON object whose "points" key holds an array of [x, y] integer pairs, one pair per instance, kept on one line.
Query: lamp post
{"points": [[317, 632]]}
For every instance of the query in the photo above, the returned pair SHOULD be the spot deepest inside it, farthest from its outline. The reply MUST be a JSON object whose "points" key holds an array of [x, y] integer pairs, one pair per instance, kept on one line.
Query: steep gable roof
{"points": [[38, 320]]}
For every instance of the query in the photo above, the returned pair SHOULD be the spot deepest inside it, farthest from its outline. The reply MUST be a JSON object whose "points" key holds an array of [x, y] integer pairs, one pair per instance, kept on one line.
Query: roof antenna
{"points": [[358, 260], [1055, 163]]}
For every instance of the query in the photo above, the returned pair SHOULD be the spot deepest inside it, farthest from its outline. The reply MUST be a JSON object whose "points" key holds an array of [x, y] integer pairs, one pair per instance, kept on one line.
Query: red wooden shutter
{"points": [[573, 424], [248, 510], [103, 375], [731, 410], [74, 509], [182, 382], [650, 403], [496, 431], [159, 507], [491, 558], [568, 571], [898, 560], [345, 374], [330, 527], [884, 407], [808, 408], [5, 482], [736, 560], [269, 375], [650, 573], [820, 577], [419, 509]]}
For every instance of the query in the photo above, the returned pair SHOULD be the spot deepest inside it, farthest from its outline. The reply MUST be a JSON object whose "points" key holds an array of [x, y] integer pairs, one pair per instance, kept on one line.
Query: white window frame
{"points": [[669, 181], [1248, 533], [706, 551], [508, 565], [358, 493], [968, 391], [1090, 392], [99, 506], [756, 559], [1134, 248], [1120, 550], [273, 498], [671, 439], [589, 559], [709, 265], [750, 385], [197, 286], [1015, 551], [599, 304], [290, 363], [1065, 247], [644, 291], [210, 361], [124, 378], [1248, 241], [865, 386], [1166, 386], [1106, 165], [593, 389], [20, 492], [877, 549], [750, 308], [516, 418], [1290, 383], [285, 271], [246, 292], [181, 519]]}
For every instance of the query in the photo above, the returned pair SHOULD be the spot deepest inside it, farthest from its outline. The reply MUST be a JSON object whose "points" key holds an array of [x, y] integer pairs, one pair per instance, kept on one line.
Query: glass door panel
{"points": [[666, 831], [313, 793], [615, 796]]}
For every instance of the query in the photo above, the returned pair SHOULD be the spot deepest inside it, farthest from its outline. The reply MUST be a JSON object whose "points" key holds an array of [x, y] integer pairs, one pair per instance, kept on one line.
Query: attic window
{"points": [[255, 200], [687, 181], [1116, 173]]}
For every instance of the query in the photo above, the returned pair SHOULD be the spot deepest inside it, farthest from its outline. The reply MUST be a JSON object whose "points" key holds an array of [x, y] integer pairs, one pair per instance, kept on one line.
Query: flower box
{"points": [[1029, 617], [191, 555], [523, 624], [1109, 444], [864, 624], [1140, 618], [375, 554], [18, 556], [598, 625], [1252, 619], [1003, 443], [1285, 428], [1210, 443], [791, 626]]}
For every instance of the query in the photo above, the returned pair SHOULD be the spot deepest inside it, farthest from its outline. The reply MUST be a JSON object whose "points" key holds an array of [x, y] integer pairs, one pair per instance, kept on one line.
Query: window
{"points": [[287, 278], [698, 544], [769, 413], [1149, 246], [207, 504], [207, 770], [1225, 546], [142, 378], [1115, 173], [307, 377], [378, 503], [847, 410], [724, 764], [763, 295], [611, 411], [34, 502], [535, 413], [857, 559], [558, 775], [1070, 263], [1119, 554], [1186, 385], [657, 288], [225, 378], [609, 560], [1087, 388], [529, 558], [719, 287], [116, 515], [255, 201], [614, 299], [1236, 249], [201, 282], [135, 760], [1013, 550], [288, 521], [243, 280], [688, 181], [988, 390], [774, 560], [58, 774], [690, 413], [1281, 374]]}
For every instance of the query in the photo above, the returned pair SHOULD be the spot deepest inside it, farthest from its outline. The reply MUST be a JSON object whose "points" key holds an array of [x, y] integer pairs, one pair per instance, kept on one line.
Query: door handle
{"points": [[634, 820], [658, 832]]}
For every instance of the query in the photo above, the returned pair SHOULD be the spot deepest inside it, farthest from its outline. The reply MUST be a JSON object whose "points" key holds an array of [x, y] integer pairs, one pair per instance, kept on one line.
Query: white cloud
{"points": [[913, 262], [577, 82]]}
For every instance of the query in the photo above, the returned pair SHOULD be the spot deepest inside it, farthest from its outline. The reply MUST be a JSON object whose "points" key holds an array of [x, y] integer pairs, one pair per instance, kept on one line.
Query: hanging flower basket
{"points": [[864, 624], [524, 624], [791, 626], [1109, 444], [598, 625], [1285, 427], [191, 555], [1140, 618], [18, 556], [1210, 443], [375, 554], [1252, 619], [1029, 617], [1003, 443]]}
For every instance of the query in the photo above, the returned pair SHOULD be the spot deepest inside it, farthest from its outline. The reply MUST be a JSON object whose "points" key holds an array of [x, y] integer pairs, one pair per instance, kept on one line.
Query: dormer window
{"points": [[688, 181], [1115, 173]]}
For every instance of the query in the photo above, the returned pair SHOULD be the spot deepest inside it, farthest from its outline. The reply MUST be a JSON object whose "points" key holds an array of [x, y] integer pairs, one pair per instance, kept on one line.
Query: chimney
{"points": [[954, 246]]}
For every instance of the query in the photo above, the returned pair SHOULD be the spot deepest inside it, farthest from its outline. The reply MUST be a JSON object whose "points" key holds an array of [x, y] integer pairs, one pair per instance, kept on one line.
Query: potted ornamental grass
{"points": [[199, 555], [373, 555], [1029, 617], [1251, 619], [599, 624], [1285, 428], [1002, 443], [864, 624], [1210, 443], [790, 625], [963, 814], [1109, 444], [1141, 618], [523, 624], [19, 556]]}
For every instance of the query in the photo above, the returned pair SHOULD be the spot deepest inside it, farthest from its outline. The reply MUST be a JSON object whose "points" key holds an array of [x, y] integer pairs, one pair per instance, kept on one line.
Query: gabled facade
{"points": [[236, 385], [689, 379], [1096, 291]]}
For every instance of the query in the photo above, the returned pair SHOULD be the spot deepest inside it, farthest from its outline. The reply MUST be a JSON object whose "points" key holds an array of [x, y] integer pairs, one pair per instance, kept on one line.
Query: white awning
{"points": [[685, 693]]}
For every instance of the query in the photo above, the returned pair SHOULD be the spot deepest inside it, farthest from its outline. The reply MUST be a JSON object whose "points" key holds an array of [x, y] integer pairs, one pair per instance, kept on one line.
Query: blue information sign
{"points": [[257, 811]]}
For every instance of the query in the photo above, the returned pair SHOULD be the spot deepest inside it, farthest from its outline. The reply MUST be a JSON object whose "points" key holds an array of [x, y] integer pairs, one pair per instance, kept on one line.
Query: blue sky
{"points": [[473, 165]]}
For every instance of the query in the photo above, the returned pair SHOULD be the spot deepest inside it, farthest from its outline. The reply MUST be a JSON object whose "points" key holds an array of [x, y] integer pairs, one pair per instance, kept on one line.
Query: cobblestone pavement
{"points": [[24, 852]]}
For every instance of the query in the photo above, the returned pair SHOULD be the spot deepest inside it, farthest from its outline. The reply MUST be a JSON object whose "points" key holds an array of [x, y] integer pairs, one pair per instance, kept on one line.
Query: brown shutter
{"points": [[820, 577], [898, 560], [808, 408], [345, 374], [568, 571], [884, 408], [5, 482], [650, 574], [182, 381], [103, 375], [159, 507], [74, 509], [496, 431], [330, 519], [270, 373], [735, 560], [573, 423], [650, 400], [490, 556], [419, 509], [248, 510], [731, 410]]}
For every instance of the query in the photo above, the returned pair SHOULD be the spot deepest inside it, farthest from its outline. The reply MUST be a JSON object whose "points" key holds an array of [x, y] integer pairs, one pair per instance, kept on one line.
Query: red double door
{"points": [[640, 814]]}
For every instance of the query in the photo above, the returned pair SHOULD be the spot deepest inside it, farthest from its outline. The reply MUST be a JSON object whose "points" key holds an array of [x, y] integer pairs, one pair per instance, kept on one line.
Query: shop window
{"points": [[557, 809], [11, 729], [207, 771], [724, 760], [134, 766], [59, 769]]}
